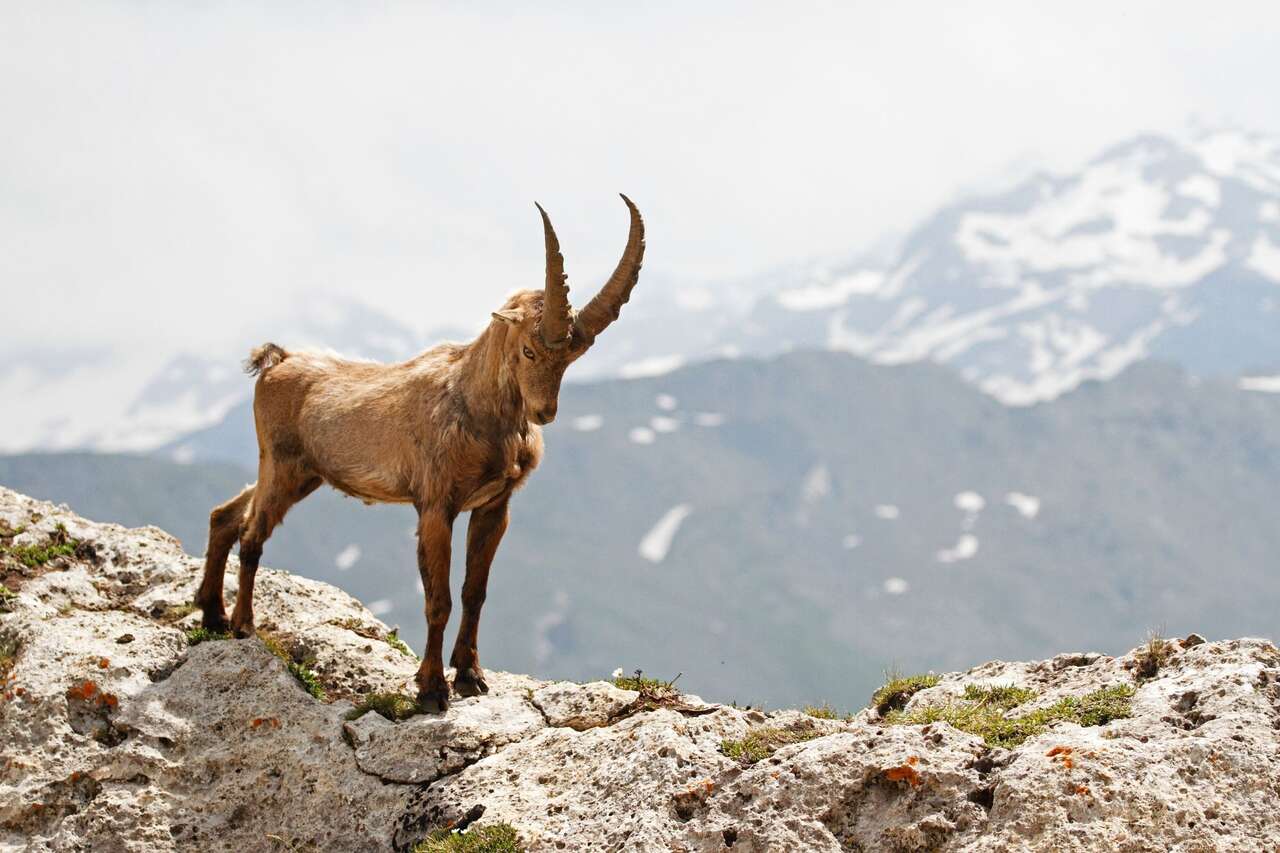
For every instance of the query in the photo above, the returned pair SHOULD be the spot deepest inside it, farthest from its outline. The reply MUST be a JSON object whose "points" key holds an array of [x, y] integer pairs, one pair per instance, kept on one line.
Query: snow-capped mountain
{"points": [[1158, 247], [1162, 246]]}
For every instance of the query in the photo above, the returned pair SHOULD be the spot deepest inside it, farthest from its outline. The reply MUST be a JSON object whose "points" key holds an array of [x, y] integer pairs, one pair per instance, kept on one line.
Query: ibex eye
{"points": [[528, 353]]}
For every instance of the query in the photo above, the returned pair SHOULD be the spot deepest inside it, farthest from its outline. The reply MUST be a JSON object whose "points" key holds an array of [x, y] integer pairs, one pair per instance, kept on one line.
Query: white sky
{"points": [[169, 168]]}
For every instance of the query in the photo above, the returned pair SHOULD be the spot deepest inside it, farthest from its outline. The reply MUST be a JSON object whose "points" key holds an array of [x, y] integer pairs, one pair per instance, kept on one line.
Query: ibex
{"points": [[452, 430]]}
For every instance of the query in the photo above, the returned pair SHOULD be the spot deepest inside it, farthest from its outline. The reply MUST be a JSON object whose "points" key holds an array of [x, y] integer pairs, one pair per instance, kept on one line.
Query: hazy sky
{"points": [[169, 168]]}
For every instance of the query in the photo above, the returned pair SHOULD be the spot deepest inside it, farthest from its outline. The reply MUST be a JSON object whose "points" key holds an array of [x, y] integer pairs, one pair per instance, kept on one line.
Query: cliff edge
{"points": [[124, 728]]}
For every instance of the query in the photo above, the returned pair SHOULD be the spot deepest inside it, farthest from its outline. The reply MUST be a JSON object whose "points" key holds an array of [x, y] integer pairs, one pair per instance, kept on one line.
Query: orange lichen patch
{"points": [[1067, 762], [103, 663], [270, 722], [904, 773], [1082, 790], [1058, 750], [913, 760], [83, 691], [19, 691], [109, 699]]}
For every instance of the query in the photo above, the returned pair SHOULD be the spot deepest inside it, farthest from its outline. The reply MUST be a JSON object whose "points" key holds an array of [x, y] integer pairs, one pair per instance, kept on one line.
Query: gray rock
{"points": [[582, 706], [155, 745]]}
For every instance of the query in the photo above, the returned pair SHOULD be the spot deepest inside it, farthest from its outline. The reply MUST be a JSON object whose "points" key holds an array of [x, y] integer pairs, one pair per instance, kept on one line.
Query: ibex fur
{"points": [[454, 429]]}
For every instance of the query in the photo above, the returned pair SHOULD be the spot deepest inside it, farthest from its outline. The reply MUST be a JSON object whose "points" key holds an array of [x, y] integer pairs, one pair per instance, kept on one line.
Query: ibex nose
{"points": [[546, 414]]}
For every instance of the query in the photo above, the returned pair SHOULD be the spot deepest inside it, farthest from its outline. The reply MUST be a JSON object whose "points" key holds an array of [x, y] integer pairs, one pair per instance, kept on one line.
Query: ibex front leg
{"points": [[484, 533], [434, 534]]}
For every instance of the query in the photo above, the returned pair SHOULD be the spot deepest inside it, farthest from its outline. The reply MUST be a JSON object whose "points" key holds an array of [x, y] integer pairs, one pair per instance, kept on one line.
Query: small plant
{"points": [[392, 706], [58, 544], [7, 598], [494, 838], [1101, 706], [821, 712], [763, 741], [654, 693], [196, 636], [982, 711], [394, 641], [898, 690], [357, 627], [1002, 696], [1150, 658], [9, 646], [642, 684], [299, 669]]}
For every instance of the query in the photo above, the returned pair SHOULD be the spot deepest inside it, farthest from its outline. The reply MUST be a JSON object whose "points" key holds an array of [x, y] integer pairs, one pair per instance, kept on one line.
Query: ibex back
{"points": [[454, 429]]}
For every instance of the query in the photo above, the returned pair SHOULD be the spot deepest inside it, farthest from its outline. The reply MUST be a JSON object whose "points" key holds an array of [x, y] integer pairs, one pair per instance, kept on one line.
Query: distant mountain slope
{"points": [[782, 530], [1162, 246]]}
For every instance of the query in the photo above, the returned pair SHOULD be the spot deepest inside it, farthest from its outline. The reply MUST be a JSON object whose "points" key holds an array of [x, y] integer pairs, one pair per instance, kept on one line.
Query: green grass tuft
{"points": [[1002, 696], [196, 636], [7, 598], [639, 682], [301, 670], [394, 641], [653, 692], [982, 712], [393, 706], [495, 838], [893, 696], [58, 544], [763, 741], [308, 679], [821, 712]]}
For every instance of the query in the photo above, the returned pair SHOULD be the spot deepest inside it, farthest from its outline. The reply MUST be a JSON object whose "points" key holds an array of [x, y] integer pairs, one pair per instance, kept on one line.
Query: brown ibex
{"points": [[452, 430]]}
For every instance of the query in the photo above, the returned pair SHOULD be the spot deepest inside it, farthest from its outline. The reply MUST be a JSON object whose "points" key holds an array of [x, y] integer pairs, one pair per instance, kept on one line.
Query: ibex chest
{"points": [[505, 472]]}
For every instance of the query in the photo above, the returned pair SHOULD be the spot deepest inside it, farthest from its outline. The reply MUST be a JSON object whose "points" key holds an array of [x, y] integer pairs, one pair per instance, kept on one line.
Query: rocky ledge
{"points": [[120, 729]]}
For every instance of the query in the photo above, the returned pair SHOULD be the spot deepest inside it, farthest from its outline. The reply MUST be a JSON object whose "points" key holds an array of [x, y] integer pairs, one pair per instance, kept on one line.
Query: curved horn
{"points": [[555, 294], [605, 306]]}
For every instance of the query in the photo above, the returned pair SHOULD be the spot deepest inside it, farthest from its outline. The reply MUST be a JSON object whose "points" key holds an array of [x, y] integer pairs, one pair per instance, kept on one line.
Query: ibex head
{"points": [[545, 334]]}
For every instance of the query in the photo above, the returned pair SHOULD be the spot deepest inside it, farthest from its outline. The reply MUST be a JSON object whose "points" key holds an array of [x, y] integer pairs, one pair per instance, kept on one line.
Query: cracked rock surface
{"points": [[117, 735]]}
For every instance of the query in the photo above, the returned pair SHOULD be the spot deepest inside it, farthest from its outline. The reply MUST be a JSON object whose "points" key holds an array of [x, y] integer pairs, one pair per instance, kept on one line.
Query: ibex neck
{"points": [[484, 379]]}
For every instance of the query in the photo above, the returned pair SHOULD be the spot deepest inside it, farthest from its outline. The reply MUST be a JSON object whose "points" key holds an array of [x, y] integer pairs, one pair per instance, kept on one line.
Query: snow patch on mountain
{"points": [[657, 542], [966, 548], [1266, 384], [1028, 506]]}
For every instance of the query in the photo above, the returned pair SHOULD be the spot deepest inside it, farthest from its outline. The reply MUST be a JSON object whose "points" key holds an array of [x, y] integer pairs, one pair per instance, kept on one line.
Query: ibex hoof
{"points": [[215, 623], [243, 631], [434, 701], [470, 682]]}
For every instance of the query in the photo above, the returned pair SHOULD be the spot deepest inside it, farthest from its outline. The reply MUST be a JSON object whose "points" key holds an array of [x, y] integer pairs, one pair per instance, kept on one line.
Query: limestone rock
{"points": [[580, 706], [115, 734]]}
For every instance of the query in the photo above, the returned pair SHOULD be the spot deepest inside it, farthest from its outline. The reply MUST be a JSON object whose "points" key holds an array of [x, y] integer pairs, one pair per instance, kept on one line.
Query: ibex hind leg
{"points": [[225, 523], [280, 486]]}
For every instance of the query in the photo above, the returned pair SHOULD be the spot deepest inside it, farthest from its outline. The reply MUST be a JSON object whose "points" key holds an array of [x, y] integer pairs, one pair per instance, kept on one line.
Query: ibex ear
{"points": [[509, 315]]}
